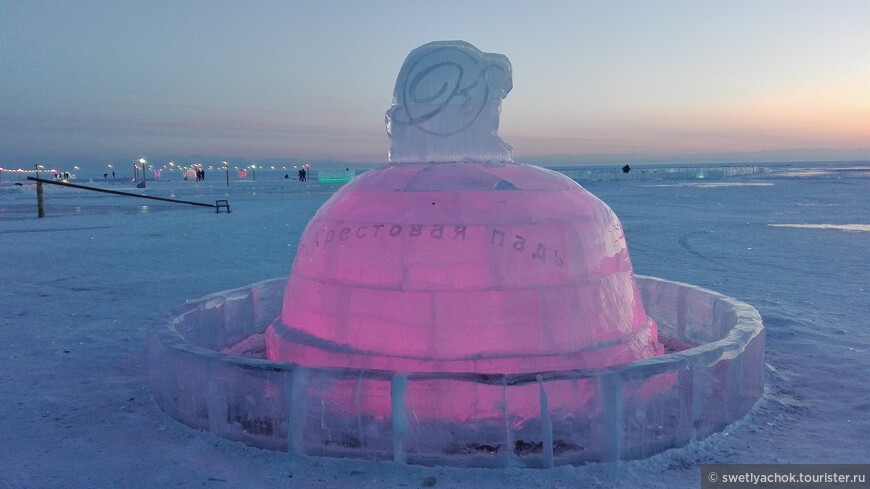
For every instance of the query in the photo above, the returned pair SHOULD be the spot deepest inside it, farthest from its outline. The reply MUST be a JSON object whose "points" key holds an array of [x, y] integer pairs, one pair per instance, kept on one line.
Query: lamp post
{"points": [[142, 162], [227, 168]]}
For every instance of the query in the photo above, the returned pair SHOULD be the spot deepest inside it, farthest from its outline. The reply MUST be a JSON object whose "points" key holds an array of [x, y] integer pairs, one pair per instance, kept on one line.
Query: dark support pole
{"points": [[40, 207], [40, 181]]}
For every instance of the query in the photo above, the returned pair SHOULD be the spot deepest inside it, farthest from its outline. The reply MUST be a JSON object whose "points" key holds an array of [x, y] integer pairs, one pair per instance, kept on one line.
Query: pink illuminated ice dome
{"points": [[455, 259]]}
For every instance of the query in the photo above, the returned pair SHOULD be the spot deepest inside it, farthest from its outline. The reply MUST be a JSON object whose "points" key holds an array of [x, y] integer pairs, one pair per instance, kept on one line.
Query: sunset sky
{"points": [[94, 82]]}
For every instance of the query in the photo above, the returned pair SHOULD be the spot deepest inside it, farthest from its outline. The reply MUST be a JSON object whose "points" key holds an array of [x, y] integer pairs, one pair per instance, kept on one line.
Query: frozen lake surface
{"points": [[80, 287]]}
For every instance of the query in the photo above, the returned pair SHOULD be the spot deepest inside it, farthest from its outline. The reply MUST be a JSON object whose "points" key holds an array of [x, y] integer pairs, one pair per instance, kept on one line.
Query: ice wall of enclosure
{"points": [[630, 411]]}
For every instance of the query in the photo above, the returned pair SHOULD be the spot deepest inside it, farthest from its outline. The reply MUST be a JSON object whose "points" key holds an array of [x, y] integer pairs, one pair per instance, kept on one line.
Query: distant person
{"points": [[106, 176], [301, 176], [113, 174], [626, 169], [286, 176]]}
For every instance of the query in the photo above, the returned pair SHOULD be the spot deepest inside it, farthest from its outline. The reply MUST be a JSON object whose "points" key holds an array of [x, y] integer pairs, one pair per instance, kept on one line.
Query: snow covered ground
{"points": [[79, 288]]}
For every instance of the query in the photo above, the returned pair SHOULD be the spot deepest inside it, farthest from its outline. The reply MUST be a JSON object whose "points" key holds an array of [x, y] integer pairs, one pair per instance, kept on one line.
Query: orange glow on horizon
{"points": [[834, 114]]}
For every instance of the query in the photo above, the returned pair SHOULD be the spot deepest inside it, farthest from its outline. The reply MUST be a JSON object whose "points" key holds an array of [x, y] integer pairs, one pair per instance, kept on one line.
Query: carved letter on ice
{"points": [[446, 105]]}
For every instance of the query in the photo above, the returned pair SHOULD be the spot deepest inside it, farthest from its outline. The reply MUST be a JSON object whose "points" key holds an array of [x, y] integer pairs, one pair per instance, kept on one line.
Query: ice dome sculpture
{"points": [[453, 258], [458, 308]]}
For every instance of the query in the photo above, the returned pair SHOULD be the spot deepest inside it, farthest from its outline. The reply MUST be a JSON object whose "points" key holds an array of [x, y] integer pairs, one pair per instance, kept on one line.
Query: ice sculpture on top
{"points": [[446, 105], [456, 259]]}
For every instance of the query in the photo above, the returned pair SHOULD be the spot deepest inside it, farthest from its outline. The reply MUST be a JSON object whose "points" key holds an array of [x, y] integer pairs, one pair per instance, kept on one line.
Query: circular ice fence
{"points": [[711, 378]]}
